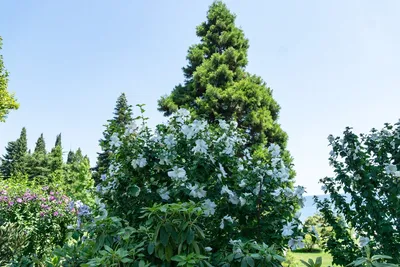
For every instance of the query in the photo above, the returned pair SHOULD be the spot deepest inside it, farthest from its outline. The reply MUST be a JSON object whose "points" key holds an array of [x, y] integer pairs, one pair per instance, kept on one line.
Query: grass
{"points": [[302, 255]]}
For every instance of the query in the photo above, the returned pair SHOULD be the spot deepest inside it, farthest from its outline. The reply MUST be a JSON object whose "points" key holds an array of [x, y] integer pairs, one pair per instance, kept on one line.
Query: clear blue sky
{"points": [[331, 64]]}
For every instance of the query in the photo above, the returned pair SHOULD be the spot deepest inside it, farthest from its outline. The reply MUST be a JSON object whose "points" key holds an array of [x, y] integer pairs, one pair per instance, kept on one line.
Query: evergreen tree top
{"points": [[216, 85], [58, 141], [40, 147]]}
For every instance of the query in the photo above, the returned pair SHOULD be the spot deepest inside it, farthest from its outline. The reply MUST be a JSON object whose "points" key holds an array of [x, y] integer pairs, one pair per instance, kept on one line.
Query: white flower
{"points": [[234, 124], [201, 147], [139, 162], [363, 241], [164, 193], [131, 128], [196, 191], [223, 125], [324, 188], [233, 199], [208, 249], [208, 207], [183, 113], [226, 190], [103, 177], [277, 192], [258, 188], [164, 159], [275, 150], [222, 170], [240, 167], [198, 126], [299, 191], [242, 183], [396, 173], [242, 201], [169, 140], [391, 169], [228, 150], [287, 229], [275, 161], [187, 131], [296, 243], [226, 218], [177, 174], [114, 140]]}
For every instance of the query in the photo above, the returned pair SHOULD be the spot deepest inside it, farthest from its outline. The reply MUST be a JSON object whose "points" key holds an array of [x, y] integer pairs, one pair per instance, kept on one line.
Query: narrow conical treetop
{"points": [[218, 87]]}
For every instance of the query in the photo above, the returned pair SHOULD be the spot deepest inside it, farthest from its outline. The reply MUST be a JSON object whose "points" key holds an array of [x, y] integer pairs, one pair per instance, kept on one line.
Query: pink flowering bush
{"points": [[43, 213]]}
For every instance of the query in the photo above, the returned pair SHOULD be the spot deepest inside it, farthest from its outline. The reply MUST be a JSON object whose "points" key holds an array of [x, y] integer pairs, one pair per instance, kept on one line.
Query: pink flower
{"points": [[19, 200], [55, 213], [41, 214]]}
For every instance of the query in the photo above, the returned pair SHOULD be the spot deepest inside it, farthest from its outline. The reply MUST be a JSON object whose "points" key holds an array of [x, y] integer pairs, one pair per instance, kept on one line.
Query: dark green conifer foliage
{"points": [[14, 162], [217, 85], [38, 164], [122, 118]]}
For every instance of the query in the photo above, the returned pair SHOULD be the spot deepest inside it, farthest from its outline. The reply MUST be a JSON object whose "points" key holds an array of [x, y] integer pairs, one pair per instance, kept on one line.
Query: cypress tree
{"points": [[122, 117], [40, 147], [38, 167], [7, 160], [56, 156], [71, 157], [217, 85]]}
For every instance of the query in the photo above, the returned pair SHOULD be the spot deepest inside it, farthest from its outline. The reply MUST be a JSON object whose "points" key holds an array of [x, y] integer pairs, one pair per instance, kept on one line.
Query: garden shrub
{"points": [[243, 197], [367, 168], [42, 214]]}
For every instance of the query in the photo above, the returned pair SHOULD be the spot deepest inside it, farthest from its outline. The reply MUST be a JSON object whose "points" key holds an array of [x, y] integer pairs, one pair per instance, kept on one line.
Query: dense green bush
{"points": [[244, 197], [42, 213], [367, 169]]}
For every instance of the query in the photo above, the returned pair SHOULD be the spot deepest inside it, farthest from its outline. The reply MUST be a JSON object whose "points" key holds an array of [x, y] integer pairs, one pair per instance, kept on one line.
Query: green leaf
{"points": [[164, 236], [250, 261], [243, 263], [150, 248], [190, 236]]}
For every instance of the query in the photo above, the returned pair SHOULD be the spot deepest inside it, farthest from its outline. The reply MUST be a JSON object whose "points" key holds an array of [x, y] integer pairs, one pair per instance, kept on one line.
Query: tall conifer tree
{"points": [[122, 118]]}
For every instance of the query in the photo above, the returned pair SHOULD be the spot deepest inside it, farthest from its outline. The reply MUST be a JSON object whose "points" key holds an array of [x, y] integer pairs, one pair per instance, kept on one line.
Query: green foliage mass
{"points": [[122, 117], [217, 85], [7, 100]]}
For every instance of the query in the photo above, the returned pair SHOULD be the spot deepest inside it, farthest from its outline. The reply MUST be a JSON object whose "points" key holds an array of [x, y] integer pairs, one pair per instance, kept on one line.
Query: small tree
{"points": [[367, 167]]}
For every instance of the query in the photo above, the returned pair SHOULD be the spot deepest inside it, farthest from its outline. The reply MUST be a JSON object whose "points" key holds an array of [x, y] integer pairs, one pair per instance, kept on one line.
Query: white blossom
{"points": [[115, 141], [187, 131], [164, 193], [139, 162], [275, 150], [391, 169], [208, 207], [226, 218], [178, 174], [131, 128], [242, 201], [222, 170], [169, 140], [208, 249], [201, 147], [296, 243], [288, 229], [103, 177], [242, 183], [196, 191], [363, 241], [223, 125]]}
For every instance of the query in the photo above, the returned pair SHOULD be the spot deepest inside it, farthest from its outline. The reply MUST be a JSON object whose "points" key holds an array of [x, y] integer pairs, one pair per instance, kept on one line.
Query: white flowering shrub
{"points": [[367, 168], [184, 160]]}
